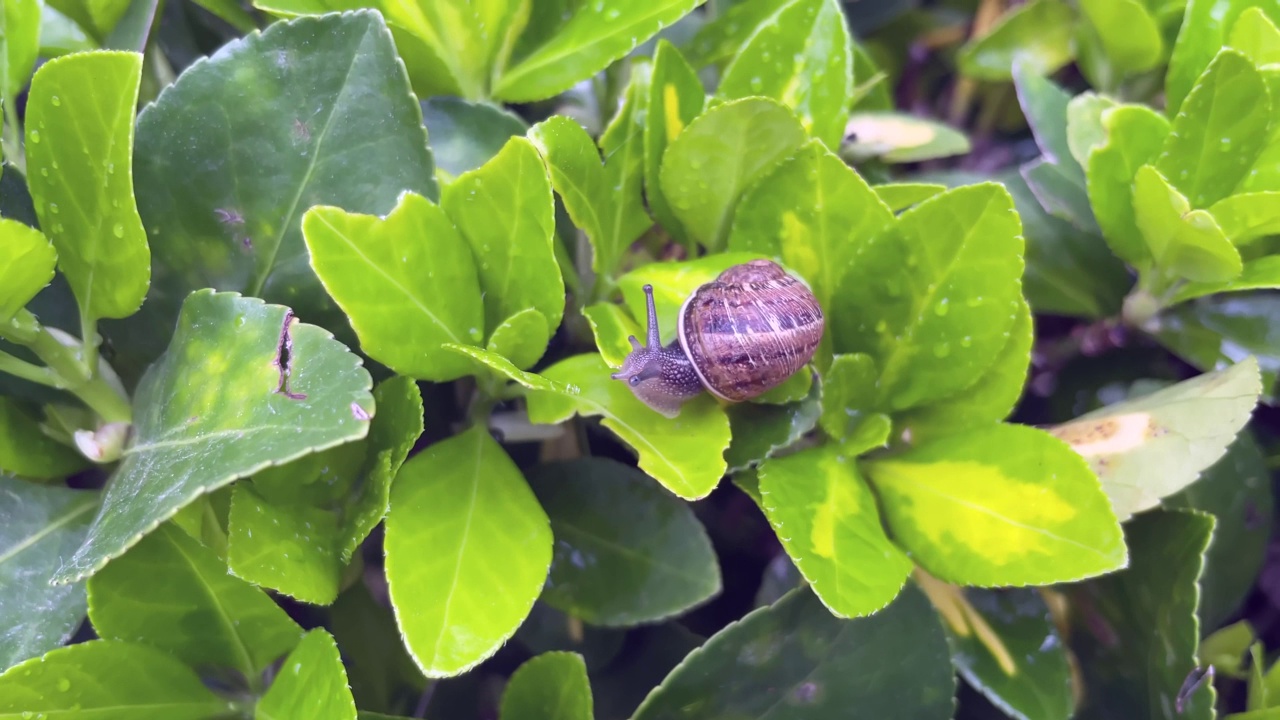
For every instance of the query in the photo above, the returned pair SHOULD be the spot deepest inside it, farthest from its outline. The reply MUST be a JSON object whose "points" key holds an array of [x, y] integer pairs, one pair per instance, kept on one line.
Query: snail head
{"points": [[657, 375]]}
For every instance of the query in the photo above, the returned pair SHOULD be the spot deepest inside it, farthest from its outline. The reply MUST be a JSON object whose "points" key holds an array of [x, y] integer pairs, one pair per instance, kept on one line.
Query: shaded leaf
{"points": [[895, 137], [676, 97], [85, 200], [109, 677], [1044, 103], [796, 655], [1182, 242], [311, 684], [465, 135], [1000, 505], [900, 196], [1150, 447], [382, 674], [407, 284], [25, 449], [1135, 135], [1215, 332], [1061, 193], [27, 259], [826, 518], [611, 326], [1038, 35], [222, 403], [684, 453], [551, 685], [43, 524], [19, 45], [1119, 38], [173, 593], [626, 552], [491, 548], [758, 431]]}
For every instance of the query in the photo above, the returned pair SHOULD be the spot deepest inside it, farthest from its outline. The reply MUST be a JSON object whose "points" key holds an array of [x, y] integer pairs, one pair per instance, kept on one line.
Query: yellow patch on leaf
{"points": [[671, 106], [1109, 435], [842, 501], [890, 132]]}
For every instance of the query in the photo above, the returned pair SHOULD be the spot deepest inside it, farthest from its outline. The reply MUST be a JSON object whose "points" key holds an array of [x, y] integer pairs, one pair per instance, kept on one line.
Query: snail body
{"points": [[738, 337]]}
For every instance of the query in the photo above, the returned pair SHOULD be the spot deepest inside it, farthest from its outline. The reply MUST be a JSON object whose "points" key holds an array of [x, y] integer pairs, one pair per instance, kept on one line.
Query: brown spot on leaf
{"points": [[284, 358]]}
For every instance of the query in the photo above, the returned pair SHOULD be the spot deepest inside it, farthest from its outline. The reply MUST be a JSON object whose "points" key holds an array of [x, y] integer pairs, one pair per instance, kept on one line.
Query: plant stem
{"points": [[65, 364], [28, 371], [89, 337], [12, 138]]}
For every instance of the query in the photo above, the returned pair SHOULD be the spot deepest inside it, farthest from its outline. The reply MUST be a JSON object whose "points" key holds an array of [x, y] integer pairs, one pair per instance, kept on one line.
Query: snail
{"points": [[737, 337]]}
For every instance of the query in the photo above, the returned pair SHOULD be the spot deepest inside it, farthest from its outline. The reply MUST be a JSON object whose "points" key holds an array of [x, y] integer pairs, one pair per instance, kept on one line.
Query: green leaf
{"points": [[1219, 131], [800, 56], [173, 593], [551, 685], [1226, 648], [291, 548], [734, 143], [1044, 103], [848, 392], [685, 454], [1021, 667], [504, 367], [1203, 33], [1182, 242], [1260, 274], [796, 655], [758, 431], [109, 679], [505, 210], [826, 517], [1256, 37], [308, 95], [990, 399], [465, 135], [596, 35], [1135, 135], [1144, 612], [19, 44], [626, 552], [78, 103], [311, 684], [1237, 491], [935, 294], [1060, 193], [490, 550], [1000, 505], [43, 524], [60, 35], [623, 145], [1152, 446], [1086, 126], [1119, 38], [815, 214], [379, 667], [521, 339], [900, 196], [611, 325], [1037, 35], [1247, 217], [896, 137], [25, 449], [407, 283], [676, 97], [1215, 332], [719, 40], [243, 386], [98, 17]]}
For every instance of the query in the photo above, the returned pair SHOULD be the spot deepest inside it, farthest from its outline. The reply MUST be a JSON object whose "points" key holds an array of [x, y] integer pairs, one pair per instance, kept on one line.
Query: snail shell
{"points": [[739, 336]]}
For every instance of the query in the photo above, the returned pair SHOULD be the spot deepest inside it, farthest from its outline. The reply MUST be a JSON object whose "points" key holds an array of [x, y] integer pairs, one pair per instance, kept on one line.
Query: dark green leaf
{"points": [[97, 17], [465, 135], [79, 127], [795, 655], [25, 449], [758, 431], [42, 525], [734, 143], [490, 550], [676, 97], [551, 685], [108, 678], [626, 552], [171, 592], [1061, 193], [311, 684], [1144, 612], [1044, 104], [1135, 135], [1037, 35], [406, 282], [382, 674], [223, 402], [1217, 331]]}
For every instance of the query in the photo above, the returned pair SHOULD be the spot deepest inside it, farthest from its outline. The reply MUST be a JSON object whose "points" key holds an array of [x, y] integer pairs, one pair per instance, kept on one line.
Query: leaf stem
{"points": [[28, 371], [11, 138], [89, 337], [66, 364]]}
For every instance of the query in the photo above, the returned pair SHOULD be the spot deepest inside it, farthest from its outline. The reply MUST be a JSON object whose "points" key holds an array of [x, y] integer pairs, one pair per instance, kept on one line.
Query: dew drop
{"points": [[757, 84], [118, 230], [882, 327], [44, 172], [35, 136], [64, 684], [942, 307], [111, 168], [912, 260], [57, 102], [973, 302], [53, 208], [966, 341], [942, 350]]}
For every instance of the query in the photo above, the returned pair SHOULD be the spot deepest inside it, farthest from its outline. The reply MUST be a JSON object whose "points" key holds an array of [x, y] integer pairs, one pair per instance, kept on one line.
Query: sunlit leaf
{"points": [[311, 684], [1183, 242], [676, 97], [551, 685]]}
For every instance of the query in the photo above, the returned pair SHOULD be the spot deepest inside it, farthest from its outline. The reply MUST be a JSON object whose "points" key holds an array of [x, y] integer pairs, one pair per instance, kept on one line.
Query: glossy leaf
{"points": [[504, 210], [1119, 38], [800, 55], [737, 143], [19, 45], [465, 135], [895, 137], [826, 517], [85, 200], [991, 399], [1215, 332], [685, 454], [611, 326], [504, 367], [407, 283], [900, 196], [42, 525], [27, 259], [1219, 131], [626, 552], [323, 116], [1044, 103], [796, 655], [815, 214], [676, 97], [595, 36], [848, 392], [1247, 217], [25, 449], [1000, 505], [1183, 242], [551, 685], [1204, 30], [1152, 446], [171, 592], [521, 339], [942, 286], [1037, 35], [758, 431], [491, 548], [1145, 611], [1021, 665], [109, 678], [222, 403], [1135, 135], [311, 684], [291, 548]]}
